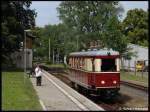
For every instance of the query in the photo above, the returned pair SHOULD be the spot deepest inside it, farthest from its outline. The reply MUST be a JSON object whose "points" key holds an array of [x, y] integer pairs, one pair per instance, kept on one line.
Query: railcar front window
{"points": [[108, 65]]}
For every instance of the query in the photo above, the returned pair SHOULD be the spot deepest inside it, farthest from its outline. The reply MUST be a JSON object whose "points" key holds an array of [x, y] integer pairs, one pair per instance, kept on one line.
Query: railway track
{"points": [[140, 87], [117, 104], [108, 105]]}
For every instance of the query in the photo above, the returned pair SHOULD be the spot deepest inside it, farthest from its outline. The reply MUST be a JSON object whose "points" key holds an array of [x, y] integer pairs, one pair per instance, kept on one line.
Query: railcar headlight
{"points": [[114, 82], [102, 82]]}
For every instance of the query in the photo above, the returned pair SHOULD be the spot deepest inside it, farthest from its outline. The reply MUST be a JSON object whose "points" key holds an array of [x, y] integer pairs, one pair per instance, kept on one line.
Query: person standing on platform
{"points": [[38, 74]]}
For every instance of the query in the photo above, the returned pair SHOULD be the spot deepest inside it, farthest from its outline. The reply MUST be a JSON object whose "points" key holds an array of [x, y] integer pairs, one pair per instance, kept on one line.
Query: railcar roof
{"points": [[102, 52]]}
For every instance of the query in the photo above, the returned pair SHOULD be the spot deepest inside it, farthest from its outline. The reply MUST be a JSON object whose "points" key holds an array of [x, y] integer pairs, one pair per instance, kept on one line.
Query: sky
{"points": [[47, 13]]}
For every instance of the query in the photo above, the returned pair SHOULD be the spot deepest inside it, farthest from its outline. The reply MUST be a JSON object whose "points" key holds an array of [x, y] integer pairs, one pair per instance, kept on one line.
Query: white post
{"points": [[53, 55], [24, 55], [58, 56]]}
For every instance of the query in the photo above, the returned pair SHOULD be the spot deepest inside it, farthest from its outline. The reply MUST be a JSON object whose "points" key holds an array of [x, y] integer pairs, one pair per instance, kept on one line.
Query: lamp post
{"points": [[49, 50], [25, 31]]}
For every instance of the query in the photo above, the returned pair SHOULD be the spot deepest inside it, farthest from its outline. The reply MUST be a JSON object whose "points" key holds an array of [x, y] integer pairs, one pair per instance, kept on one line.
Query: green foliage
{"points": [[85, 21], [48, 62], [16, 17], [87, 16], [95, 20], [135, 26], [130, 76], [61, 41]]}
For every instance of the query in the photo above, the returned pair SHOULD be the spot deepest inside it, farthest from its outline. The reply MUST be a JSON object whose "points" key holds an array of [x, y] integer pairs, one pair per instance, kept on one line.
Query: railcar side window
{"points": [[77, 63], [83, 63], [97, 63], [80, 63], [93, 65], [108, 65], [89, 64], [84, 67], [70, 62], [73, 62]]}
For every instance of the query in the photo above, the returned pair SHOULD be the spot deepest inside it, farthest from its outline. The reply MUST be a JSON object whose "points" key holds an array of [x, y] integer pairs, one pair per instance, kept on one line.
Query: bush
{"points": [[48, 62]]}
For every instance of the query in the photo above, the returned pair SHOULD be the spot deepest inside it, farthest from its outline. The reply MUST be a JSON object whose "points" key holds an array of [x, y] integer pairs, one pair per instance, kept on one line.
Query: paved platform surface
{"points": [[56, 95]]}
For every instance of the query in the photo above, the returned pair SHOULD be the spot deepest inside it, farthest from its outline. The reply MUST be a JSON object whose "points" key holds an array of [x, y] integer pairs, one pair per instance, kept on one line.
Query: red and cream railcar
{"points": [[97, 72]]}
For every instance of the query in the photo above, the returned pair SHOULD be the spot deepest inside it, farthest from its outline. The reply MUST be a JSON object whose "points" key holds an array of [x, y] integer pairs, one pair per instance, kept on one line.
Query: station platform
{"points": [[55, 95]]}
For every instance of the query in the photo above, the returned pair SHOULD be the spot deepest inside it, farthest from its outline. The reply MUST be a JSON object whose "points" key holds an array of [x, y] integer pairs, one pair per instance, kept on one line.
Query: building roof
{"points": [[102, 52]]}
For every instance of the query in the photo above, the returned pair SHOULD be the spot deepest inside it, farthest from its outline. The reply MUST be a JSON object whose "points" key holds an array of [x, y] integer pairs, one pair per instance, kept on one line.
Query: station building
{"points": [[18, 56], [141, 55]]}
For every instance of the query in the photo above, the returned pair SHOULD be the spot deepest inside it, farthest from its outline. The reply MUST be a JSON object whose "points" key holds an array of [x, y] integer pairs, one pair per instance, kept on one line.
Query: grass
{"points": [[131, 76], [17, 95]]}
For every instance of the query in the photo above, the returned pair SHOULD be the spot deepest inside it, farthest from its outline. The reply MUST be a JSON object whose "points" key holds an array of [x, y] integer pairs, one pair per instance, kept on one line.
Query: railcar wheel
{"points": [[85, 91], [79, 88], [72, 84]]}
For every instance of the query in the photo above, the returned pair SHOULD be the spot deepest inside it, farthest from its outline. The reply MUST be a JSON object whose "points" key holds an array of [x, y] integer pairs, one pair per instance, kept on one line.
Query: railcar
{"points": [[95, 72]]}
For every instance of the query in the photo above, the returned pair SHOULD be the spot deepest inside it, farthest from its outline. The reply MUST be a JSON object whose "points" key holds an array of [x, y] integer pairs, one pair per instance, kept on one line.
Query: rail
{"points": [[143, 88]]}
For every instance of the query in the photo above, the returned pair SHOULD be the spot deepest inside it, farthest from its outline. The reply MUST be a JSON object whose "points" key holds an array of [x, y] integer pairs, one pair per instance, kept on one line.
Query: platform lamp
{"points": [[25, 33]]}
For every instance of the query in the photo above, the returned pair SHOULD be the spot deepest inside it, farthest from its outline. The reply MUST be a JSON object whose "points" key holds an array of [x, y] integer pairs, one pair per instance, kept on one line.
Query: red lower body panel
{"points": [[98, 80]]}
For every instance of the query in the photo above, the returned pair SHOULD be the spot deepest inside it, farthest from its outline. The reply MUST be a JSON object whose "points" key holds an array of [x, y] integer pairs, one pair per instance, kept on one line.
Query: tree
{"points": [[135, 26], [37, 48], [16, 17], [95, 20], [62, 41]]}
